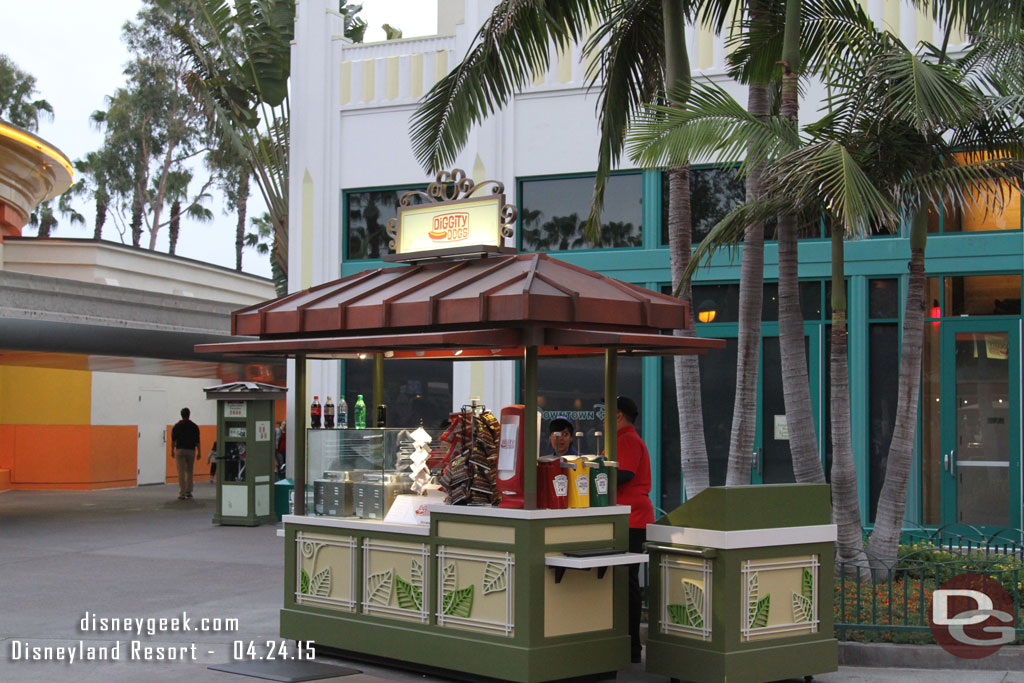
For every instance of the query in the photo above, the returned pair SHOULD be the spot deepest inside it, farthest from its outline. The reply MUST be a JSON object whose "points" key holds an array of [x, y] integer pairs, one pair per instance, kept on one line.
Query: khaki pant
{"points": [[185, 459]]}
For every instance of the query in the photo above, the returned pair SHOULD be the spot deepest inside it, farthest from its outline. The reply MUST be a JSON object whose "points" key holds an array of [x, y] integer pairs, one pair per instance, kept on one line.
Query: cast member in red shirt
{"points": [[634, 489]]}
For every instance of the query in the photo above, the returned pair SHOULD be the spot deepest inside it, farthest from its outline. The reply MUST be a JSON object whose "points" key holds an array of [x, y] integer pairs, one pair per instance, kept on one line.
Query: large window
{"points": [[367, 213], [720, 303], [414, 390], [978, 216], [553, 212], [883, 380], [714, 192], [574, 387]]}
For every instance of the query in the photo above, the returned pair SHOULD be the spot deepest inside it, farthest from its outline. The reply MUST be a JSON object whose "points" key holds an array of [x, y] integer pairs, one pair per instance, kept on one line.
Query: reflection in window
{"points": [[714, 192], [553, 213], [367, 213], [414, 390], [574, 387], [983, 295], [883, 299], [810, 301]]}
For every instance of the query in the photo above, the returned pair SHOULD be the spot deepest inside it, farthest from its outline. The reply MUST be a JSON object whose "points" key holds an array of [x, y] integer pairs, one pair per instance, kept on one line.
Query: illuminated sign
{"points": [[463, 223]]}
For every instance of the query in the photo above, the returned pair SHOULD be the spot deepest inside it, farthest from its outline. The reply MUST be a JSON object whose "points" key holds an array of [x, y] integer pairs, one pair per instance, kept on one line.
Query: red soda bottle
{"points": [[314, 413]]}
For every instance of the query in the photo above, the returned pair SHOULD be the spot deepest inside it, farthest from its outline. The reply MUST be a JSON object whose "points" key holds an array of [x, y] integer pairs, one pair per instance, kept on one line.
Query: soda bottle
{"points": [[314, 413], [343, 414], [329, 414], [360, 416]]}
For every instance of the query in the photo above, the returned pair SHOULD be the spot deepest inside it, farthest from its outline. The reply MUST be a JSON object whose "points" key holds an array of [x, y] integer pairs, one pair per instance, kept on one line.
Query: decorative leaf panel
{"points": [[320, 586], [409, 596], [378, 587], [495, 577], [459, 603]]}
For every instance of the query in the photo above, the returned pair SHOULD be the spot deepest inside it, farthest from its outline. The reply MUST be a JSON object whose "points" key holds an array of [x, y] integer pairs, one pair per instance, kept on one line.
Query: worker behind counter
{"points": [[634, 490], [560, 433]]}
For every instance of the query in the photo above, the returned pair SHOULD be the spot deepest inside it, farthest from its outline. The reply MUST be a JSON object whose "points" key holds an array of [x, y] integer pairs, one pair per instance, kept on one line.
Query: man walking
{"points": [[185, 451]]}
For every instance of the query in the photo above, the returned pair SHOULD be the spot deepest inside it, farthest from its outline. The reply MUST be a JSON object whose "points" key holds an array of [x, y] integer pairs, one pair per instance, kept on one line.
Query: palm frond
{"points": [[511, 46], [712, 127], [628, 58], [729, 231]]}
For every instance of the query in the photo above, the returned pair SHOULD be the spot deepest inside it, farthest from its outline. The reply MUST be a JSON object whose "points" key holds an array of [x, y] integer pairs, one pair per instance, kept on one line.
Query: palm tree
{"points": [[17, 88], [93, 181], [631, 48], [239, 55], [45, 220], [887, 150]]}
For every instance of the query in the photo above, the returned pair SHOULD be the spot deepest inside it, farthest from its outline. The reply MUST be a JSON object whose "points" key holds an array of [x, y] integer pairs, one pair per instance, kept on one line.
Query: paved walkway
{"points": [[141, 553]]}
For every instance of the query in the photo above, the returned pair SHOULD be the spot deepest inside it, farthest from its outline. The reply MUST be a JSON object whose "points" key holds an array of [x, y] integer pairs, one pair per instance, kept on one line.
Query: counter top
{"points": [[516, 513], [358, 524], [595, 560]]}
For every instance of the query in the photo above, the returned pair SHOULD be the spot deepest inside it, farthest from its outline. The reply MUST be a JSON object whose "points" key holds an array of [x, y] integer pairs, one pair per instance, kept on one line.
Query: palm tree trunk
{"points": [[796, 388], [101, 214], [845, 500], [892, 501], [744, 411], [136, 224], [175, 226], [693, 448], [693, 456], [242, 198]]}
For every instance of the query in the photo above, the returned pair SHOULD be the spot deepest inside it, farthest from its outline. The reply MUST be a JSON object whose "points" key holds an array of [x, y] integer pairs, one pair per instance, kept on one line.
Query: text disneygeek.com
{"points": [[138, 650]]}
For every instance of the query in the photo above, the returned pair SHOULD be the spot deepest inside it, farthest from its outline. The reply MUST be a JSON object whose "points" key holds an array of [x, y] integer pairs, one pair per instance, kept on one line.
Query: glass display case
{"points": [[357, 473]]}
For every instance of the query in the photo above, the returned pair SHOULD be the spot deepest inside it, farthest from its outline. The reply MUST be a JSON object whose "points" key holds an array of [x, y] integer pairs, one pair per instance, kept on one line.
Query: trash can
{"points": [[741, 585], [282, 494], [245, 452]]}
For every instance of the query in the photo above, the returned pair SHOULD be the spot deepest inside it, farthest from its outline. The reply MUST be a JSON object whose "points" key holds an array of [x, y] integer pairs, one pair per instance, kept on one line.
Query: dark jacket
{"points": [[185, 435]]}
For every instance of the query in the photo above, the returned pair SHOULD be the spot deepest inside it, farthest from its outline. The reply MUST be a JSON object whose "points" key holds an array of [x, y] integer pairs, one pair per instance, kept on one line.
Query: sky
{"points": [[74, 50]]}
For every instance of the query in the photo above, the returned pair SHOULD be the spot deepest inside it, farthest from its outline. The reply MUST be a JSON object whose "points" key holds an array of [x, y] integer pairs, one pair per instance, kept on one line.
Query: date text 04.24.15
{"points": [[271, 649]]}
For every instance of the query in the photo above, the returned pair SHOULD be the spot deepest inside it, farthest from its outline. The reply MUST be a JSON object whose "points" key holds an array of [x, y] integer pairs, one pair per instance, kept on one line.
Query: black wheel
{"points": [[808, 679]]}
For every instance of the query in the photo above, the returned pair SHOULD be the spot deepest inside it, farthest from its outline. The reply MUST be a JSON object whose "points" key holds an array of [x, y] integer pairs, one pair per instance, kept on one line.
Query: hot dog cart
{"points": [[540, 594]]}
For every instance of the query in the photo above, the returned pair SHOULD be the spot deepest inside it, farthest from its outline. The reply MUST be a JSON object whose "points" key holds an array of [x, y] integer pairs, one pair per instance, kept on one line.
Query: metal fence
{"points": [[890, 601]]}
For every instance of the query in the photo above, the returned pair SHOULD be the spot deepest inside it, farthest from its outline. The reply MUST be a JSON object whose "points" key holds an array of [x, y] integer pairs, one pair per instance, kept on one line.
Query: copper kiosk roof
{"points": [[482, 307]]}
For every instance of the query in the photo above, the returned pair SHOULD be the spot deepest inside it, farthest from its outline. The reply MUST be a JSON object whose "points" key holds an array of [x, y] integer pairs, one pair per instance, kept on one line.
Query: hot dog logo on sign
{"points": [[450, 227], [452, 218]]}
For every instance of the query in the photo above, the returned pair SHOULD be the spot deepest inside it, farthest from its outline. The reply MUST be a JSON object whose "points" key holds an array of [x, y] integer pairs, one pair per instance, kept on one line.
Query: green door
{"points": [[981, 412]]}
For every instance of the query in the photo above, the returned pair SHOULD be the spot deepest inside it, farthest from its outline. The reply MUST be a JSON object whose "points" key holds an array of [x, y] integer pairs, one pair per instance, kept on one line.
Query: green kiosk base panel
{"points": [[741, 586], [478, 592]]}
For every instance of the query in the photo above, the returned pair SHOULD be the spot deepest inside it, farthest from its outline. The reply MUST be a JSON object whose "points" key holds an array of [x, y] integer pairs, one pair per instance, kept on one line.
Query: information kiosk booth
{"points": [[521, 594], [245, 452]]}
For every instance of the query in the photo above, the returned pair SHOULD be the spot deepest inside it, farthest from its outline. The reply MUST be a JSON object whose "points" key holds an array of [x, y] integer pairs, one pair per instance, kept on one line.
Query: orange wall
{"points": [[71, 456], [6, 447], [207, 435]]}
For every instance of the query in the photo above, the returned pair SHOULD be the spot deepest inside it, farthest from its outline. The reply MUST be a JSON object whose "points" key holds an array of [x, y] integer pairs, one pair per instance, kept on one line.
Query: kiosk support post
{"points": [[378, 387], [611, 370], [530, 428], [299, 420]]}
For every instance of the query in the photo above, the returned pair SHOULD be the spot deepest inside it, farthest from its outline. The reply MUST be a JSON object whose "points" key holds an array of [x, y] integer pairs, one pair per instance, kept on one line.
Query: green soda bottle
{"points": [[360, 413]]}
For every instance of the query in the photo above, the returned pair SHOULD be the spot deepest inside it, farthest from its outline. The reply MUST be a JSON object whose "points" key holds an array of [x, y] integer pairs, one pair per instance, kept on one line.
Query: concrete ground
{"points": [[141, 553]]}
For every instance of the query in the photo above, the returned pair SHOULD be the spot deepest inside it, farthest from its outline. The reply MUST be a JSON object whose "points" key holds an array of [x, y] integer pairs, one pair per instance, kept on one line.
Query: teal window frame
{"points": [[644, 219], [345, 216]]}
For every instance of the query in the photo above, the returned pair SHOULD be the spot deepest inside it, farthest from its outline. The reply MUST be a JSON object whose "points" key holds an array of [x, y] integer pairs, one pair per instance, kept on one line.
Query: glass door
{"points": [[981, 446], [773, 462]]}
